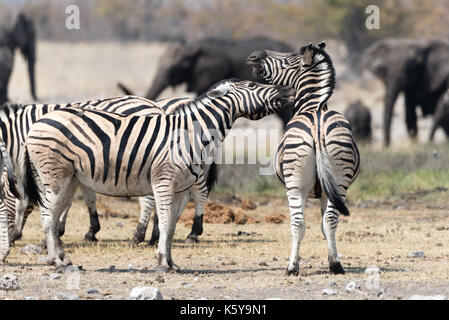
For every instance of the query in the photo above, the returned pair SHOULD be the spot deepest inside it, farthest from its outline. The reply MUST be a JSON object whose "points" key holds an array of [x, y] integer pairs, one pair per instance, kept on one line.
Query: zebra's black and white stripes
{"points": [[135, 156], [317, 156]]}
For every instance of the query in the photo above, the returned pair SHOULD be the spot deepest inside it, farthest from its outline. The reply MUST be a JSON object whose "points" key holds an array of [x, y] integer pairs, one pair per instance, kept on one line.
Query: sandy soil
{"points": [[226, 265]]}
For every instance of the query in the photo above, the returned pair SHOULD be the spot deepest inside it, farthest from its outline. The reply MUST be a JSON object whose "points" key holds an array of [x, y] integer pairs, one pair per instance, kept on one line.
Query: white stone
{"points": [[416, 254], [31, 249], [372, 270], [329, 292], [351, 286], [9, 282], [145, 293]]}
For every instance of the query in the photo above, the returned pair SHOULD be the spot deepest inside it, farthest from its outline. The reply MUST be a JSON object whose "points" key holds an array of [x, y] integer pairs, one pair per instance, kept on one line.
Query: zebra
{"points": [[8, 180], [15, 122], [317, 152], [163, 158]]}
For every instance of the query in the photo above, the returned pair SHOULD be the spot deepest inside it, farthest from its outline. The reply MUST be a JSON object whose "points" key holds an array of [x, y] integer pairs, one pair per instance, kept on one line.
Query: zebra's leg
{"points": [[54, 203], [146, 207], [155, 232], [90, 199], [329, 226], [199, 195], [166, 204], [4, 239], [62, 221], [23, 210], [296, 202]]}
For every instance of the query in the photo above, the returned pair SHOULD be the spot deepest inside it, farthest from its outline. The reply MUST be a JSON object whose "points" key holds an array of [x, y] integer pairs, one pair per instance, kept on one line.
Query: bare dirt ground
{"points": [[246, 261], [226, 264]]}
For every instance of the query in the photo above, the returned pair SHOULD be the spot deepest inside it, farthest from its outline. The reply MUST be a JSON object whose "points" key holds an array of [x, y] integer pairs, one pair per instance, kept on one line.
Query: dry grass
{"points": [[225, 264]]}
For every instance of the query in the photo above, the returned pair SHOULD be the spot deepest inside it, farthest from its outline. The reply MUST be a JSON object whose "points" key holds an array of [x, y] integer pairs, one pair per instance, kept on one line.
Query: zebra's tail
{"points": [[30, 186], [326, 177], [125, 90], [7, 163]]}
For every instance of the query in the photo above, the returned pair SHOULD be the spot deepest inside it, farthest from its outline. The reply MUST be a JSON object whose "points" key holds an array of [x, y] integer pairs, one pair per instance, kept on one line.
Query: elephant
{"points": [[16, 31], [359, 117], [419, 68], [203, 63], [441, 116]]}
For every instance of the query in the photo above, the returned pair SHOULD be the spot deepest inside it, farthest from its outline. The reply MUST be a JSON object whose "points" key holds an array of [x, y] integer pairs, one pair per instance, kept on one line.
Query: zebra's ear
{"points": [[322, 45], [219, 91], [307, 57]]}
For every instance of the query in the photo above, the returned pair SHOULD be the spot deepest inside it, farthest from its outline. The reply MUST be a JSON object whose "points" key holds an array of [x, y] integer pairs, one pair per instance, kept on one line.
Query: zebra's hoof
{"points": [[90, 237], [336, 268], [152, 242], [292, 271], [192, 239], [162, 268]]}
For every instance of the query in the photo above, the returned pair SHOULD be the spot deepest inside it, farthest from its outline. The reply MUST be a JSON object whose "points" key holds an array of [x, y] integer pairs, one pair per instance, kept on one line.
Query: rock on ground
{"points": [[9, 282], [352, 286], [372, 270], [30, 249], [329, 292], [145, 293], [416, 254]]}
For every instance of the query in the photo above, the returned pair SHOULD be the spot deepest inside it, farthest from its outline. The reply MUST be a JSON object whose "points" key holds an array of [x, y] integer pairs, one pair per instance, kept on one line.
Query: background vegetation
{"points": [[294, 21]]}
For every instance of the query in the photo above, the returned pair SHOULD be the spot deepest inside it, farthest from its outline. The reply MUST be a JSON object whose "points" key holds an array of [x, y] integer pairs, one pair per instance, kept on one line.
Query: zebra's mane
{"points": [[323, 67], [9, 108]]}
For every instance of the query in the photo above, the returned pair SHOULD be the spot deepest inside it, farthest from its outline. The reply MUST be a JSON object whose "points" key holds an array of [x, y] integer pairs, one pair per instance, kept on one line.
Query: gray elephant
{"points": [[419, 68], [16, 31], [441, 116], [203, 63], [359, 117]]}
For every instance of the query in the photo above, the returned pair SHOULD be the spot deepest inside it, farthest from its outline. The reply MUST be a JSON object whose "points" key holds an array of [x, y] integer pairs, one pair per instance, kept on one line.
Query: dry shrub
{"points": [[275, 218], [107, 212], [215, 212], [248, 205]]}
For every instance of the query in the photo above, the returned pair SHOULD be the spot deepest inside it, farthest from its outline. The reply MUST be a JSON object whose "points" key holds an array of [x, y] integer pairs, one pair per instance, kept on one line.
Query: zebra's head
{"points": [[250, 99], [310, 65]]}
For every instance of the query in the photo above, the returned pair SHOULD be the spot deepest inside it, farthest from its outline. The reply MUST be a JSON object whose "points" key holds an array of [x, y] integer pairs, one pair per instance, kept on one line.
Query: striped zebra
{"points": [[15, 122], [317, 152], [120, 155], [8, 179]]}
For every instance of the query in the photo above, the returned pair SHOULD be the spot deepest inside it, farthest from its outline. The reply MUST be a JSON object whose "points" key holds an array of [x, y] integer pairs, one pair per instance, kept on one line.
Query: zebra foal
{"points": [[135, 155], [317, 156]]}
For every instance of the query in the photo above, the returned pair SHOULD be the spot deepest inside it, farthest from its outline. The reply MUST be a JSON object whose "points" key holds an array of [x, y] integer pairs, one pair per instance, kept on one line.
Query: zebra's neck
{"points": [[16, 120], [205, 123], [314, 85]]}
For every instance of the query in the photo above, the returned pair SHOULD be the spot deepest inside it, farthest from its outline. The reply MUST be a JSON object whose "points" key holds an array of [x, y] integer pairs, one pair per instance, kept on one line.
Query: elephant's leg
{"points": [[90, 199], [440, 118], [411, 118], [392, 92], [146, 207]]}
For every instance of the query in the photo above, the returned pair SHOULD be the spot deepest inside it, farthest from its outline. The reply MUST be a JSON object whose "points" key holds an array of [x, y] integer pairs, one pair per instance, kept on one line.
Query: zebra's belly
{"points": [[110, 188]]}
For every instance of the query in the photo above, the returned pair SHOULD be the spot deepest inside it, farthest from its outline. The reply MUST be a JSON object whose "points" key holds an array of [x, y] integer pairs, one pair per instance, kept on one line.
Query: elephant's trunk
{"points": [[31, 74], [159, 84]]}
